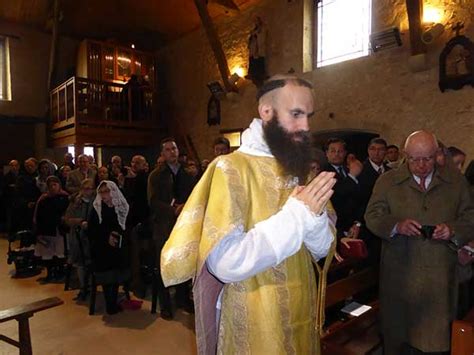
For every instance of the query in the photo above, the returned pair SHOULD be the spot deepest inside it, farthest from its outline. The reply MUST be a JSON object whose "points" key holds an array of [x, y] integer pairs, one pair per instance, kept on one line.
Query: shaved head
{"points": [[269, 90]]}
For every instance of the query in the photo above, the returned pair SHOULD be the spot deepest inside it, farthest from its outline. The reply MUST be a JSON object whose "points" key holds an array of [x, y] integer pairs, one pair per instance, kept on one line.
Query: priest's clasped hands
{"points": [[317, 193]]}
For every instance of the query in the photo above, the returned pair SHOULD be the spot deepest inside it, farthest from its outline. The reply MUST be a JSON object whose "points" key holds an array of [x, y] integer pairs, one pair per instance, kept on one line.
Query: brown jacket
{"points": [[418, 278], [75, 178], [164, 188]]}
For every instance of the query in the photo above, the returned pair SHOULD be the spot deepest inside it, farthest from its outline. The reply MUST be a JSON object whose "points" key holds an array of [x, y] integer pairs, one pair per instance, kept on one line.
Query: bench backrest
{"points": [[29, 309], [350, 285]]}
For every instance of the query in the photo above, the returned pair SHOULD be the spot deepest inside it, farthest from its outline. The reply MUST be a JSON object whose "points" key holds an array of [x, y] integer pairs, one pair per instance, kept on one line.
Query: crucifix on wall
{"points": [[456, 62]]}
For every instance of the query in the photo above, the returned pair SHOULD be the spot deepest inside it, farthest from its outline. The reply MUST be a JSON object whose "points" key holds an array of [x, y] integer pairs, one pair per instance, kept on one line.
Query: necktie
{"points": [[341, 171], [422, 184], [380, 171]]}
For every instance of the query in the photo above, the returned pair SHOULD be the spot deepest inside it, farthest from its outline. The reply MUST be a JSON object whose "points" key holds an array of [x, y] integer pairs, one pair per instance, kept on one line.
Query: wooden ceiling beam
{"points": [[415, 21], [215, 43], [228, 5]]}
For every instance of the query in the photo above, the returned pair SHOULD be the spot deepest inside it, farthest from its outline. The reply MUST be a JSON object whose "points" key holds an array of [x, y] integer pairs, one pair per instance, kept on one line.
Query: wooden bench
{"points": [[462, 339], [354, 335], [22, 314]]}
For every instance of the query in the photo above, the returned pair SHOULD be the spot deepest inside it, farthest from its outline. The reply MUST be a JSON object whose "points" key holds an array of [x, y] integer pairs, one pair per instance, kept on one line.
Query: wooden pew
{"points": [[462, 339], [355, 335], [22, 314]]}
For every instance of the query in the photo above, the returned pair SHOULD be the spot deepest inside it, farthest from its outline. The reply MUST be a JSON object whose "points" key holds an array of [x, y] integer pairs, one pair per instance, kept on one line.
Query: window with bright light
{"points": [[87, 151], [71, 150], [5, 90], [343, 30]]}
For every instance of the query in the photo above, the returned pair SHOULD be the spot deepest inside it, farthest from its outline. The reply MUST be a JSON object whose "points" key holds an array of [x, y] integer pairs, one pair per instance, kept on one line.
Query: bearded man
{"points": [[249, 230]]}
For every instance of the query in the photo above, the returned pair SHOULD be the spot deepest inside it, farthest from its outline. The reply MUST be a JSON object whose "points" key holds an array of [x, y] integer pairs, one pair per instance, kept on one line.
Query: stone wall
{"points": [[377, 93], [29, 64]]}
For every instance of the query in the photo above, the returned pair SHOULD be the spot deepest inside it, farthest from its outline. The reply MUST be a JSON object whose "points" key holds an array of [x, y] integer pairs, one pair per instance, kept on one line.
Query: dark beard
{"points": [[293, 155]]}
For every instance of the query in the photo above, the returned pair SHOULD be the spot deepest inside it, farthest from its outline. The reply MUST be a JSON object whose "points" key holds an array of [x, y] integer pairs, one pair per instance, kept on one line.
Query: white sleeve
{"points": [[241, 254], [319, 240]]}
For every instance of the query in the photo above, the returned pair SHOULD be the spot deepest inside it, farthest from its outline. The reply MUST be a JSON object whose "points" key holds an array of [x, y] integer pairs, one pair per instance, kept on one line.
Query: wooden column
{"points": [[415, 20], [41, 138], [54, 43], [78, 150], [215, 43]]}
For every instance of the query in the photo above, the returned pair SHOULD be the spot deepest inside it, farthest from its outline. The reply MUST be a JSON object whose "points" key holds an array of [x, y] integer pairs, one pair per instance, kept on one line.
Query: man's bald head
{"points": [[138, 163], [421, 148], [421, 139]]}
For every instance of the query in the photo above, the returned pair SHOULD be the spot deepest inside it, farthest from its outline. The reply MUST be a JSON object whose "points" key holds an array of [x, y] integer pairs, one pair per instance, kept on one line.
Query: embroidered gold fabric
{"points": [[274, 312]]}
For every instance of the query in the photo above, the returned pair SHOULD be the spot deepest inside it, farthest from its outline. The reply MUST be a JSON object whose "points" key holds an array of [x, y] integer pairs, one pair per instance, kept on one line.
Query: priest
{"points": [[250, 230]]}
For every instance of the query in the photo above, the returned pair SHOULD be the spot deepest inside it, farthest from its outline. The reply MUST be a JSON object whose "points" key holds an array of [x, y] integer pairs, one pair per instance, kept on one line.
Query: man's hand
{"points": [[130, 172], [345, 241], [317, 193], [113, 242], [409, 227], [355, 167], [120, 180], [442, 232], [338, 258]]}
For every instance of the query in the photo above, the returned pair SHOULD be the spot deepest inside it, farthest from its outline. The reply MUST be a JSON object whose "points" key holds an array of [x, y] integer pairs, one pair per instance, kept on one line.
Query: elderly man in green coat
{"points": [[422, 213]]}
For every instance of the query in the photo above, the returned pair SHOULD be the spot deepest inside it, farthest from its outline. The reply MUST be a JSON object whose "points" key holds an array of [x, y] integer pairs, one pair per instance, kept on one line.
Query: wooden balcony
{"points": [[99, 113]]}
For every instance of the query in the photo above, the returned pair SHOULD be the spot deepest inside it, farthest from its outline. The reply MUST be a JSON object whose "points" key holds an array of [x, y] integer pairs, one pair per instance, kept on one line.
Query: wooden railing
{"points": [[98, 103]]}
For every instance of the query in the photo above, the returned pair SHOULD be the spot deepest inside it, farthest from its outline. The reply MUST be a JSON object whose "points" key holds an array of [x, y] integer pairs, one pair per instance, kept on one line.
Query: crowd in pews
{"points": [[110, 220], [113, 219]]}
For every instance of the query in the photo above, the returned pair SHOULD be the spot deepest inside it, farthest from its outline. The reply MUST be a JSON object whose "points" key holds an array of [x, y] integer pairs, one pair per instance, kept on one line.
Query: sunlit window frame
{"points": [[5, 80], [365, 51]]}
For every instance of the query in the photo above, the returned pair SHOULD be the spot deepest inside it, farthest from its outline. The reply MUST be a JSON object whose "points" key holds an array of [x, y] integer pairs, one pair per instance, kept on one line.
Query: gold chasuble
{"points": [[273, 312]]}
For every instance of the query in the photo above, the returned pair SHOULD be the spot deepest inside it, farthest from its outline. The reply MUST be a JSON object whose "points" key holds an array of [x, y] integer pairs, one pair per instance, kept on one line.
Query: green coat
{"points": [[418, 279]]}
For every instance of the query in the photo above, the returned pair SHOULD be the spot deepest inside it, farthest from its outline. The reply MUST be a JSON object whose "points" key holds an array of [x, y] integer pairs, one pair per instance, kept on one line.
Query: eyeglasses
{"points": [[421, 159]]}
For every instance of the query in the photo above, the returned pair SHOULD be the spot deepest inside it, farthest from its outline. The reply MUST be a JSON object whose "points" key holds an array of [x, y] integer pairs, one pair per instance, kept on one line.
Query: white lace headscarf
{"points": [[118, 200]]}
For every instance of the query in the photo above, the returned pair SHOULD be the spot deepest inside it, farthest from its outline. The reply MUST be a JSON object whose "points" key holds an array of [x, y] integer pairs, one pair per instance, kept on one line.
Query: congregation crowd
{"points": [[102, 218], [113, 218]]}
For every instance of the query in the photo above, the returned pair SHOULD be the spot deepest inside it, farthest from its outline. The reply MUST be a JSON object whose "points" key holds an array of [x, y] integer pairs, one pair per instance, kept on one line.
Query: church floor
{"points": [[69, 330]]}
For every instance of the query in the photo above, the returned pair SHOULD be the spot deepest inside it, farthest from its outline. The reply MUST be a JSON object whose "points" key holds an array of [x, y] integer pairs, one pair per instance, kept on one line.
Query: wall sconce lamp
{"points": [[234, 78], [385, 39], [432, 15]]}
